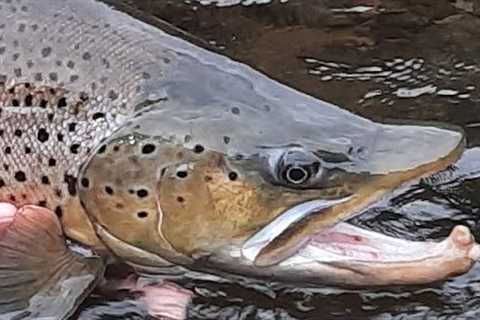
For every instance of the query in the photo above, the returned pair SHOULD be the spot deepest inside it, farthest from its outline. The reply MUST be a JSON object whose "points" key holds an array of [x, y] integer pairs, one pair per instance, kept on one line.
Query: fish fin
{"points": [[40, 278]]}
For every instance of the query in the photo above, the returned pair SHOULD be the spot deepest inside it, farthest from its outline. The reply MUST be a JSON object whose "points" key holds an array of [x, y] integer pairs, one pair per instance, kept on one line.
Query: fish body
{"points": [[170, 156], [68, 79]]}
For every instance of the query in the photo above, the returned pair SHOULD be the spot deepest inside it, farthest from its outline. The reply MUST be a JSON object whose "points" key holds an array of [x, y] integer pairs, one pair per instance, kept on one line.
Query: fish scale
{"points": [[67, 47]]}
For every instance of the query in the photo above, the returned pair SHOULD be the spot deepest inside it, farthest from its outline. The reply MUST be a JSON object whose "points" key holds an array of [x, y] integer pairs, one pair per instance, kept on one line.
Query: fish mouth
{"points": [[362, 256]]}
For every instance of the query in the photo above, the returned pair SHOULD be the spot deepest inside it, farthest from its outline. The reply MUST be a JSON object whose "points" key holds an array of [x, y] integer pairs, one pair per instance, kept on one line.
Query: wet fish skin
{"points": [[68, 79]]}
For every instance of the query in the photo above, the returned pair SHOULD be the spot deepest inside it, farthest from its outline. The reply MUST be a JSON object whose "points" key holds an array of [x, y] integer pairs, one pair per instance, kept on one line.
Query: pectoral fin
{"points": [[40, 278]]}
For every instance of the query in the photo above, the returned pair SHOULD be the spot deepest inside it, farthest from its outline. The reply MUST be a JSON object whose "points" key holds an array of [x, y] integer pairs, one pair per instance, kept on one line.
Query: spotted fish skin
{"points": [[70, 73], [73, 72]]}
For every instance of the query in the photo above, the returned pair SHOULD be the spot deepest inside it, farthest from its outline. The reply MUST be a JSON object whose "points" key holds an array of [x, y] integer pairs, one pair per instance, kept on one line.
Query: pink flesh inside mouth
{"points": [[347, 243]]}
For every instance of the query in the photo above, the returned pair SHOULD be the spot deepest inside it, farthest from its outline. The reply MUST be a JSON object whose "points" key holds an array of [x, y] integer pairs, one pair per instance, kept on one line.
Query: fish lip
{"points": [[252, 247]]}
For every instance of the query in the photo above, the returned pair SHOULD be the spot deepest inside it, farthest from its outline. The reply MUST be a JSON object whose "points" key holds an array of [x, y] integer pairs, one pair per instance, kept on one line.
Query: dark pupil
{"points": [[296, 174]]}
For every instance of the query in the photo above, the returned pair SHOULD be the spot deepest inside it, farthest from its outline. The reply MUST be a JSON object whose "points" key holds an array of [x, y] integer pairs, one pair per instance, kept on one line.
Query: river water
{"points": [[383, 59]]}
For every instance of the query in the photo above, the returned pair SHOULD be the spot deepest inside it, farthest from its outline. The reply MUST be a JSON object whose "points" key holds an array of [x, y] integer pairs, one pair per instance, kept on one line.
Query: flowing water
{"points": [[383, 59]]}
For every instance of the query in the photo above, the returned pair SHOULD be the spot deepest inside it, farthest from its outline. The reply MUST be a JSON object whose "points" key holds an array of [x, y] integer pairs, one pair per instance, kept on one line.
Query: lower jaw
{"points": [[349, 255]]}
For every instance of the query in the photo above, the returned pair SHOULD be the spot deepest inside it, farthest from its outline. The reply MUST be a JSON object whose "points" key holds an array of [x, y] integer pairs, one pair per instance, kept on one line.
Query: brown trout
{"points": [[169, 157]]}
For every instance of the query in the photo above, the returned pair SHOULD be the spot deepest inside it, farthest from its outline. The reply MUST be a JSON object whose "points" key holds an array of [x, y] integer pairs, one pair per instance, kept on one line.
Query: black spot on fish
{"points": [[116, 148], [198, 148], [85, 182], [62, 102], [71, 182], [142, 214], [72, 126], [98, 115], [12, 198], [28, 150], [182, 174], [1, 132], [60, 137], [28, 100], [20, 176], [46, 52], [17, 72], [45, 180], [8, 150], [43, 103], [142, 193], [42, 203], [109, 190], [86, 56], [83, 96], [2, 183], [102, 149], [226, 139], [162, 173], [58, 192], [53, 76], [131, 191], [74, 148], [233, 176], [6, 167], [50, 117], [59, 211], [180, 199], [18, 132], [112, 95], [52, 162], [148, 148], [235, 110], [15, 103], [42, 135]]}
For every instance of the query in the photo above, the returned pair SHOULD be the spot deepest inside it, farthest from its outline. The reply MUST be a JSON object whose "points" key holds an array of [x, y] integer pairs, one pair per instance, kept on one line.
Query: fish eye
{"points": [[296, 175], [298, 168]]}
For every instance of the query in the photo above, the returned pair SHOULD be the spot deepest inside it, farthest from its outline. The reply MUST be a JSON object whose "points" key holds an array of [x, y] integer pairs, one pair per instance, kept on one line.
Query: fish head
{"points": [[186, 182]]}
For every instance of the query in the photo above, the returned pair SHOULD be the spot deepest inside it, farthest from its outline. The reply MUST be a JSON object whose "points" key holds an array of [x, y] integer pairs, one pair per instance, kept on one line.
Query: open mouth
{"points": [[347, 243], [348, 255]]}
